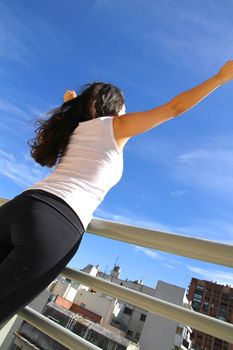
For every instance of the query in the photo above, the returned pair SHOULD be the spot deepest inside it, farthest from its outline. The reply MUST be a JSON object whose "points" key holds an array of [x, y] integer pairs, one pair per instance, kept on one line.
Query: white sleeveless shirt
{"points": [[91, 165]]}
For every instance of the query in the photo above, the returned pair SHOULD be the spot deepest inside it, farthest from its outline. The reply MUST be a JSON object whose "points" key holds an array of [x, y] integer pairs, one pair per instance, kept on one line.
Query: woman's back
{"points": [[90, 166]]}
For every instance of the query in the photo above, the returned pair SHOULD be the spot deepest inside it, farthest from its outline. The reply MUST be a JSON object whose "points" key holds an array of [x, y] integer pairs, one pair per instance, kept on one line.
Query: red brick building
{"points": [[214, 300]]}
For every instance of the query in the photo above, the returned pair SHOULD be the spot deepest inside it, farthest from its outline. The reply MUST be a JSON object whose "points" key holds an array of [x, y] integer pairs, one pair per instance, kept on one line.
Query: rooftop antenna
{"points": [[105, 272], [117, 259]]}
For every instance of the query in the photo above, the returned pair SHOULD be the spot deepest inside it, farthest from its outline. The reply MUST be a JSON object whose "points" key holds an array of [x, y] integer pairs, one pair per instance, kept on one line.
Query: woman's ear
{"points": [[122, 111]]}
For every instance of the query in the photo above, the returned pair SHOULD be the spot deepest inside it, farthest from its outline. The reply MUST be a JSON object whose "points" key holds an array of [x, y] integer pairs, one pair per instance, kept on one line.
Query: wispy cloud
{"points": [[148, 252], [214, 276], [14, 117], [178, 193], [124, 215], [192, 35], [10, 108], [204, 170], [208, 167], [169, 266], [216, 229], [19, 168], [18, 116], [19, 39]]}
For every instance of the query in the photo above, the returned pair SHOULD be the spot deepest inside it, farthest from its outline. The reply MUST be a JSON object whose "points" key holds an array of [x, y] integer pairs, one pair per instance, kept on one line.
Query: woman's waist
{"points": [[57, 203]]}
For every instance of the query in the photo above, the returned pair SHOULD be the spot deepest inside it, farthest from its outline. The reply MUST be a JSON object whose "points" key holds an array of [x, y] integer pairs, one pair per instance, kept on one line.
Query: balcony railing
{"points": [[201, 249]]}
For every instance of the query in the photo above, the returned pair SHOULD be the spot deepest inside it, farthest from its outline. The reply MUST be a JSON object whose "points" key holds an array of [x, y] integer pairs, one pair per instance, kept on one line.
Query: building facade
{"points": [[105, 321], [216, 301], [142, 328]]}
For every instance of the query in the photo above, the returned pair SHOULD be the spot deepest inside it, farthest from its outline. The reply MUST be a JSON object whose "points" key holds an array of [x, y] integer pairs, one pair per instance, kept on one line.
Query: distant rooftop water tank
{"points": [[116, 271]]}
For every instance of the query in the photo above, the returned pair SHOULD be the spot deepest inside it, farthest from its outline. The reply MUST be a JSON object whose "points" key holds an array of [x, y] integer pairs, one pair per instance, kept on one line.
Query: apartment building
{"points": [[214, 300]]}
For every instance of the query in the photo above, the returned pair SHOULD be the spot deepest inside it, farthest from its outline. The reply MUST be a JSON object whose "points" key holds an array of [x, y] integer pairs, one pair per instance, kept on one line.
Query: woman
{"points": [[41, 228]]}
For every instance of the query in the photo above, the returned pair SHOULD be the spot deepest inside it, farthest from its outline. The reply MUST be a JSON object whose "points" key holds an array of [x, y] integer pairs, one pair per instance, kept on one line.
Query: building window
{"points": [[199, 287], [197, 296], [53, 319], [128, 311], [83, 305], [185, 343], [222, 313], [199, 337], [143, 317], [137, 336], [205, 307], [179, 330], [130, 333], [196, 305], [218, 343]]}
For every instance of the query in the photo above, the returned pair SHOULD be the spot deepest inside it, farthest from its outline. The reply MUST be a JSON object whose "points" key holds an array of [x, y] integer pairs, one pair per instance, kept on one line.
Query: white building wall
{"points": [[135, 324], [186, 334], [116, 309], [128, 284], [96, 303], [70, 293], [158, 332], [91, 270], [59, 288], [66, 289], [131, 322]]}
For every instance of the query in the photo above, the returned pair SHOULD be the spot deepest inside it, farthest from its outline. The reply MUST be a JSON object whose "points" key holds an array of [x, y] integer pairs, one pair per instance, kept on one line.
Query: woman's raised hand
{"points": [[69, 95], [225, 74]]}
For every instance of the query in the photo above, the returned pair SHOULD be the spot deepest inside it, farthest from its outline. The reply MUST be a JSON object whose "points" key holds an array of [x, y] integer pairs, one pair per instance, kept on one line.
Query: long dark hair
{"points": [[52, 135]]}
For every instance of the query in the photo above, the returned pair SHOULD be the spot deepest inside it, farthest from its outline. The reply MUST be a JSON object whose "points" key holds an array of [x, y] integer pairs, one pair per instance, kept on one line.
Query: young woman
{"points": [[41, 228]]}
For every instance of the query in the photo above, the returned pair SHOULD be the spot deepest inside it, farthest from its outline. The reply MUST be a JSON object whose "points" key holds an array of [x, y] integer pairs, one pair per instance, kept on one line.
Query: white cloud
{"points": [[199, 38], [12, 111], [149, 252], [19, 39], [178, 193], [208, 167], [21, 170], [214, 229], [193, 36], [169, 266], [205, 170], [218, 276], [124, 215], [18, 117]]}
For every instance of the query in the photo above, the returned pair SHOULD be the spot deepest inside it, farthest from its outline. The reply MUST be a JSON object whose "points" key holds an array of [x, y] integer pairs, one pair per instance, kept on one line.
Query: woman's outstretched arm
{"points": [[132, 124]]}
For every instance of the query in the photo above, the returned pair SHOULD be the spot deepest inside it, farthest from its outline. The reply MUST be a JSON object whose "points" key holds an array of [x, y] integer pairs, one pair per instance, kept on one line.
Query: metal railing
{"points": [[201, 249]]}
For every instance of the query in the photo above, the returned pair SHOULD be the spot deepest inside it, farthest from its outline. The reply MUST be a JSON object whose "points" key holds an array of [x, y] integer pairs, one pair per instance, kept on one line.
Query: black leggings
{"points": [[39, 234]]}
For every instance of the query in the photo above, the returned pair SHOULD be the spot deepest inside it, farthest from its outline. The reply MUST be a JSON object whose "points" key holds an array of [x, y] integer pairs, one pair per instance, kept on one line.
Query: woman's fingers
{"points": [[225, 74], [69, 95]]}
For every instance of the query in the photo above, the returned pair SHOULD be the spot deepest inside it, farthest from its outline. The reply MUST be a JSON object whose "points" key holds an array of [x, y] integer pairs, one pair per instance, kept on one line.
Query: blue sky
{"points": [[178, 176]]}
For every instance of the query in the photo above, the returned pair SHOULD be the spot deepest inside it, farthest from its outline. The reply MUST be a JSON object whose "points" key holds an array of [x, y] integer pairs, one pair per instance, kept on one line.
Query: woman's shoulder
{"points": [[96, 120]]}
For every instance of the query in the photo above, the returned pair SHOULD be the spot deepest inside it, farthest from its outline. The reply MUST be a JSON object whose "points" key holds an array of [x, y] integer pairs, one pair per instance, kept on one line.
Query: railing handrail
{"points": [[182, 245], [196, 248], [54, 330]]}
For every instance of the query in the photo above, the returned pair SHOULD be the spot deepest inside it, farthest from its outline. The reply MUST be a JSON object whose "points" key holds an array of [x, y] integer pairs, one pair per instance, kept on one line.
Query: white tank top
{"points": [[91, 165]]}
